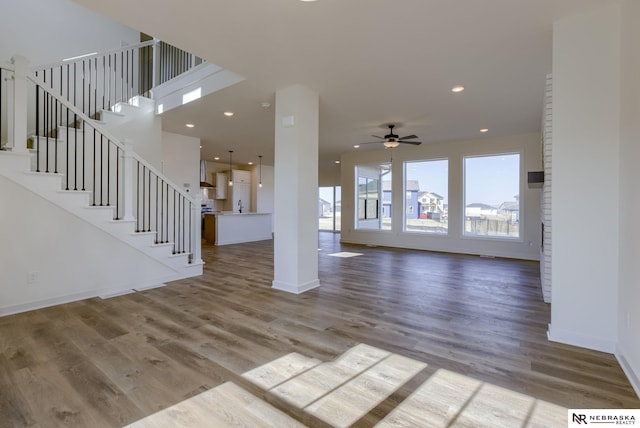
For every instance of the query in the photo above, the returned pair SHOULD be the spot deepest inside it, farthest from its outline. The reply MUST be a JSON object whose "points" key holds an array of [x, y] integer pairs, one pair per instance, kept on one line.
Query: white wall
{"points": [[181, 161], [144, 130], [526, 248], [70, 258], [47, 31], [262, 198], [585, 200], [629, 292], [329, 174]]}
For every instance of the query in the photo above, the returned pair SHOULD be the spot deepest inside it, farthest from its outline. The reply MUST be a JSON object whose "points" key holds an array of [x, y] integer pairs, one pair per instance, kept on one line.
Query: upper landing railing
{"points": [[98, 81]]}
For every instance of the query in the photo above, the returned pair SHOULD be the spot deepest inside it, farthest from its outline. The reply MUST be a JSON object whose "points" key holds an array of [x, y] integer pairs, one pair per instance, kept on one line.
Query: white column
{"points": [[296, 190], [586, 162], [19, 118]]}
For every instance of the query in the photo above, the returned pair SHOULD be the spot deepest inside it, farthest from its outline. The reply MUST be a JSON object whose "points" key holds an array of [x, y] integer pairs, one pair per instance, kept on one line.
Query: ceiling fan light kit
{"points": [[392, 140]]}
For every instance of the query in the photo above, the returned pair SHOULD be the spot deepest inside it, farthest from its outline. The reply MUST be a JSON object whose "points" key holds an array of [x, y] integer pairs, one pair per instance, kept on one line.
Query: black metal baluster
{"points": [[88, 112], [149, 207], [138, 197], [67, 155], [95, 90], [84, 155], [174, 221], [161, 209], [108, 172], [55, 142], [184, 224], [189, 213], [37, 127], [179, 222], [117, 183], [101, 170], [144, 196], [46, 139], [157, 236], [122, 76], [94, 168], [104, 82], [166, 236]]}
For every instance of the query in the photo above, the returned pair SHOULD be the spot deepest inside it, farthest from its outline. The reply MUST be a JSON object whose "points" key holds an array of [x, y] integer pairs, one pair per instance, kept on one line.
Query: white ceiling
{"points": [[371, 61]]}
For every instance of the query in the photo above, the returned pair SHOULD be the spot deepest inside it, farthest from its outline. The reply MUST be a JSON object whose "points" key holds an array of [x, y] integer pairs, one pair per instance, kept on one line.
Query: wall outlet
{"points": [[32, 278]]}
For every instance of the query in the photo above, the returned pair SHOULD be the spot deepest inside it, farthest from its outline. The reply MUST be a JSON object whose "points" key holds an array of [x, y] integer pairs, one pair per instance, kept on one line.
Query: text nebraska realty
{"points": [[604, 419]]}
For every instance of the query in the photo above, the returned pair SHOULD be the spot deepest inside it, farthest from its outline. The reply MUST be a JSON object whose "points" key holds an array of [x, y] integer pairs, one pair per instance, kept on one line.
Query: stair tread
{"points": [[227, 405]]}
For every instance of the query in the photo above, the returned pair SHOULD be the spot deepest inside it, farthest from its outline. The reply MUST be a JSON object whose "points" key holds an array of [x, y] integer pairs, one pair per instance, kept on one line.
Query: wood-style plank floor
{"points": [[111, 362]]}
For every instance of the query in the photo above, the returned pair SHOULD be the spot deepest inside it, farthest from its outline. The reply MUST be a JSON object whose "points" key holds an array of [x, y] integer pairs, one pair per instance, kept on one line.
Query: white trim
{"points": [[581, 340], [296, 288], [102, 293], [632, 375]]}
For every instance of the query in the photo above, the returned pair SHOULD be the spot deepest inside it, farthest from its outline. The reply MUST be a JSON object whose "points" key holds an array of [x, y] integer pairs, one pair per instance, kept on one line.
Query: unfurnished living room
{"points": [[319, 213]]}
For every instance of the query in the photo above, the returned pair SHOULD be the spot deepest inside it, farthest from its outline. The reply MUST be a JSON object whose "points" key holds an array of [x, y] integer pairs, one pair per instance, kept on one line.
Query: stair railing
{"points": [[98, 81], [67, 141]]}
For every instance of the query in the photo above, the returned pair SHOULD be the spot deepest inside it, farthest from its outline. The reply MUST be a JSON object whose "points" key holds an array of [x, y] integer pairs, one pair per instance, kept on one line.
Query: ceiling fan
{"points": [[392, 140]]}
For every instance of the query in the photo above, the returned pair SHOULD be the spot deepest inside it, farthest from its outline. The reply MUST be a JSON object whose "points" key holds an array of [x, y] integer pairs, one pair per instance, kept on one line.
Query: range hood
{"points": [[203, 175]]}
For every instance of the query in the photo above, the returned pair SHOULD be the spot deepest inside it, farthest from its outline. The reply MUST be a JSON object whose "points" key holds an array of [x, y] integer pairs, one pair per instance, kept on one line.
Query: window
{"points": [[426, 186], [329, 208], [492, 195], [374, 197]]}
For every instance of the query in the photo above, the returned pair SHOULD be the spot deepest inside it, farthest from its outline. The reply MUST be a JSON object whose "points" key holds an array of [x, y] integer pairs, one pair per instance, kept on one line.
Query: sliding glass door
{"points": [[329, 208]]}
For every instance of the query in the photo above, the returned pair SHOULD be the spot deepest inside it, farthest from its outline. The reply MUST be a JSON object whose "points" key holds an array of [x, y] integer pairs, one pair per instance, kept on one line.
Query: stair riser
{"points": [[50, 186]]}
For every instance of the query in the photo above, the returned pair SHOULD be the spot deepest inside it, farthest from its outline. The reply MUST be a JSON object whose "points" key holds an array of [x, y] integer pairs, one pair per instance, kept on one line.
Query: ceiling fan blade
{"points": [[415, 143], [375, 136], [408, 137]]}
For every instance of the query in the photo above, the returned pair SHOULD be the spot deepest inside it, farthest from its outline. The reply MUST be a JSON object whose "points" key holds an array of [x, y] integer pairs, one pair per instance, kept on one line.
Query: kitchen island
{"points": [[223, 228]]}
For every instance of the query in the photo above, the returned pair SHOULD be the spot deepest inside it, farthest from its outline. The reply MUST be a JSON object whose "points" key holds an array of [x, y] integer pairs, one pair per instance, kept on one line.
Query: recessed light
{"points": [[337, 161], [307, 1], [250, 163], [484, 130], [356, 146], [228, 113], [189, 125], [200, 146], [216, 158], [458, 88]]}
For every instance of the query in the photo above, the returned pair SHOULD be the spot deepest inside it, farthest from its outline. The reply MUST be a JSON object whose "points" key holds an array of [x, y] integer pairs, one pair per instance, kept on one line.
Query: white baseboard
{"points": [[295, 288], [581, 340], [89, 294], [632, 375], [45, 303]]}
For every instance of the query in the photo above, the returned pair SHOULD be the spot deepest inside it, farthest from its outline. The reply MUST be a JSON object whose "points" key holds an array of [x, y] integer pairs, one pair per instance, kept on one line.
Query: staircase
{"points": [[64, 141], [357, 389]]}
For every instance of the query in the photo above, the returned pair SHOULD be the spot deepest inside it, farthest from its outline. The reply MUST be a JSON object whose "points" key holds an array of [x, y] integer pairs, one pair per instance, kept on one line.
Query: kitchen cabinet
{"points": [[239, 195], [220, 182], [240, 176]]}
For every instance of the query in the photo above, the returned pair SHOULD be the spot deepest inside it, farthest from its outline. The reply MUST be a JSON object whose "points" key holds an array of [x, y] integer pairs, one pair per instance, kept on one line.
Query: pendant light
{"points": [[230, 170], [260, 171]]}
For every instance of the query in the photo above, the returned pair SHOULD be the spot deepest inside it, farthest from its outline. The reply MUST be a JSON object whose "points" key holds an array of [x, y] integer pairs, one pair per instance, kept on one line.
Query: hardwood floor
{"points": [[111, 362]]}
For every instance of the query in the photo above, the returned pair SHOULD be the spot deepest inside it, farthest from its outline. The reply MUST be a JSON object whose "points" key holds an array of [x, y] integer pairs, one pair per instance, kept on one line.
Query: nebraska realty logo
{"points": [[581, 417]]}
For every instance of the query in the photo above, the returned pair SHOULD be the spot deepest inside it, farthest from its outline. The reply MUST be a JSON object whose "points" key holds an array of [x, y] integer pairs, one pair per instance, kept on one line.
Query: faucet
{"points": [[240, 206]]}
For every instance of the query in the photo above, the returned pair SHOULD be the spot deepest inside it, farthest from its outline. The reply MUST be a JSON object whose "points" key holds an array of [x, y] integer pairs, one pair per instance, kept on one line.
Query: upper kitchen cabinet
{"points": [[240, 176], [220, 183]]}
